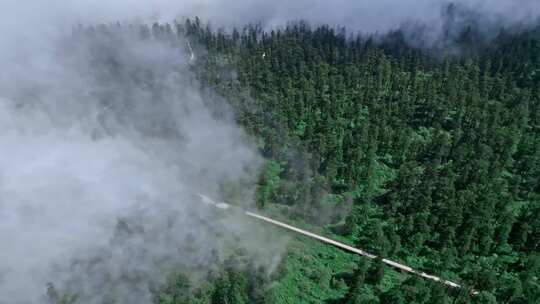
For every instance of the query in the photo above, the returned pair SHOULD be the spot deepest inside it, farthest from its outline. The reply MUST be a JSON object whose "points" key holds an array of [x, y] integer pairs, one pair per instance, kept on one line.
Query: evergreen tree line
{"points": [[439, 153], [432, 159]]}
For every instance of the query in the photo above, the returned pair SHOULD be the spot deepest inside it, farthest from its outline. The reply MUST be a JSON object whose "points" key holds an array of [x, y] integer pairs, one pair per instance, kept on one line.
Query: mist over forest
{"points": [[408, 129]]}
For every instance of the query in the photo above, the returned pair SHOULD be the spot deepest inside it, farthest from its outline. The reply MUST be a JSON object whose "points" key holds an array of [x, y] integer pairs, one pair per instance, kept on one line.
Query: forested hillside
{"points": [[438, 153], [428, 157]]}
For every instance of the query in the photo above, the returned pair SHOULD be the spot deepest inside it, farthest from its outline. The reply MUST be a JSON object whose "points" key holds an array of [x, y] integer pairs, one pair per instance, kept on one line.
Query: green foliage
{"points": [[268, 186], [438, 156], [177, 291], [431, 161], [57, 297], [236, 282]]}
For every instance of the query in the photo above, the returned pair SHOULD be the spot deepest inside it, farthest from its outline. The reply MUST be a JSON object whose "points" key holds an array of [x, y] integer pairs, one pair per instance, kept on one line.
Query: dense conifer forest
{"points": [[425, 156]]}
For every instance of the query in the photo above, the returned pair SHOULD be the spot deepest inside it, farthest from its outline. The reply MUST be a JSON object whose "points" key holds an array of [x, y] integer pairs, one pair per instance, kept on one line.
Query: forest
{"points": [[427, 156]]}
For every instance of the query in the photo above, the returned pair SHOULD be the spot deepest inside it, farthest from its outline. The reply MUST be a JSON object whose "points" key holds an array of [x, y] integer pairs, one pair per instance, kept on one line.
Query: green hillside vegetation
{"points": [[435, 159], [427, 158]]}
